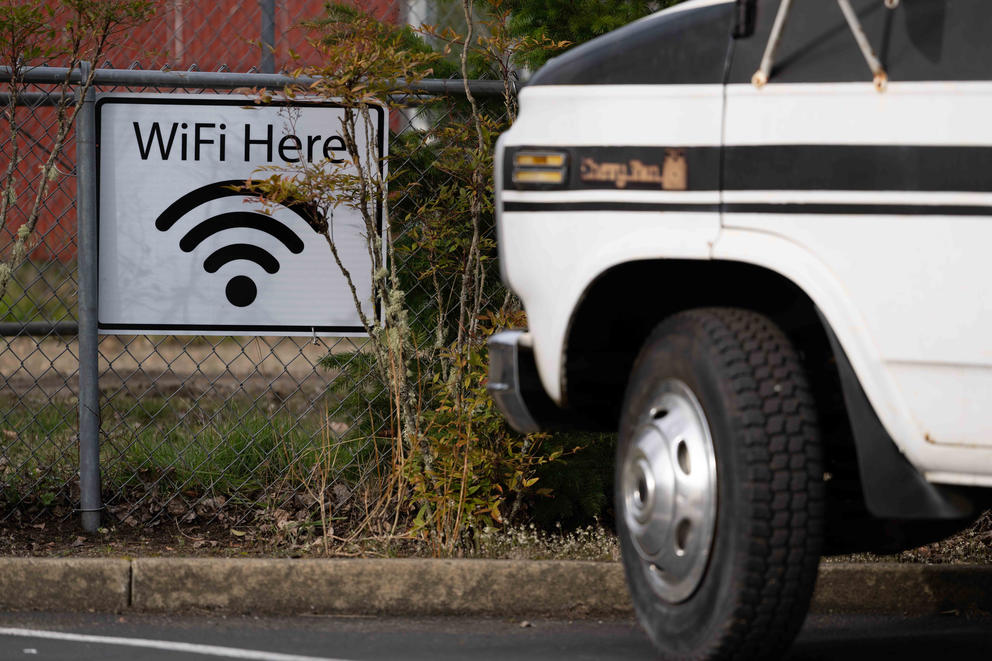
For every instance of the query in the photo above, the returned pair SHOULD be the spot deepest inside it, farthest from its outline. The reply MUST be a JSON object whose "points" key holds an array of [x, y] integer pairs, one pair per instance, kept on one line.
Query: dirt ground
{"points": [[62, 538]]}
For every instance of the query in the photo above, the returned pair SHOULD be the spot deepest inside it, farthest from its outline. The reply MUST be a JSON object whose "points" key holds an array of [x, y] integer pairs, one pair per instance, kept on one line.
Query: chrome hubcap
{"points": [[669, 491]]}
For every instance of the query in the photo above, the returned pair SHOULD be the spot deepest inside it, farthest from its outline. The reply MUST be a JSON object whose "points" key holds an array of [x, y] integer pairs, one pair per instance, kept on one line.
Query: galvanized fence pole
{"points": [[90, 502]]}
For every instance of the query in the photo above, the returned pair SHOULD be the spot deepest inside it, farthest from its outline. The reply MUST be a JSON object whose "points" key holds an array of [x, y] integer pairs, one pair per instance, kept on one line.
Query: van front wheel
{"points": [[719, 487]]}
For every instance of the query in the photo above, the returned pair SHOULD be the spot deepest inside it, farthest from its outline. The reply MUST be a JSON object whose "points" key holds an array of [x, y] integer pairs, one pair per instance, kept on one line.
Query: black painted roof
{"points": [[919, 40], [684, 47]]}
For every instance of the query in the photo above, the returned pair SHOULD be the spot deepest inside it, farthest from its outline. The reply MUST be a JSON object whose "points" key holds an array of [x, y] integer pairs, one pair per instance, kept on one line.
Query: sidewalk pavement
{"points": [[502, 588]]}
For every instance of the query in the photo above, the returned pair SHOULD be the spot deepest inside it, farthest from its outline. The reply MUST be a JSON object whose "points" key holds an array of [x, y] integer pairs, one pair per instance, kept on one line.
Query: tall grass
{"points": [[40, 291], [171, 445]]}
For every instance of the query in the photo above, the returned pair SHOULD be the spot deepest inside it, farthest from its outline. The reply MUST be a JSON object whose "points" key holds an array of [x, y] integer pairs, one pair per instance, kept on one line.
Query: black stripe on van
{"points": [[858, 168], [610, 206], [776, 167], [793, 208], [623, 168]]}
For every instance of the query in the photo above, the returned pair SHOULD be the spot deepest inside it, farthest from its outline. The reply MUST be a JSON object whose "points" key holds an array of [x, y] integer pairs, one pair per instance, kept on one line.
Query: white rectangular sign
{"points": [[183, 253]]}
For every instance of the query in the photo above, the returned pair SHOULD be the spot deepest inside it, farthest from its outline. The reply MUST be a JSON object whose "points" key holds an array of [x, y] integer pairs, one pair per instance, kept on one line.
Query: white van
{"points": [[755, 236]]}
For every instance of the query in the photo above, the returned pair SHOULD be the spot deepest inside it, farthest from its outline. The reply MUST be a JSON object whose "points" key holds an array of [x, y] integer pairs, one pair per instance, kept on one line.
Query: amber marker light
{"points": [[540, 159], [540, 168]]}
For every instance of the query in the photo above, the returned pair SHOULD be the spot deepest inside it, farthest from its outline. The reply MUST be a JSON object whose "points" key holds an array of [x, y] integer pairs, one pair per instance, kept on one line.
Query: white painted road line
{"points": [[167, 645]]}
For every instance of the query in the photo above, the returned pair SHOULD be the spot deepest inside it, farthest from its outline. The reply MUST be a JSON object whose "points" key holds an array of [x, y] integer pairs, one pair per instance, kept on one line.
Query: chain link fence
{"points": [[191, 428], [264, 36]]}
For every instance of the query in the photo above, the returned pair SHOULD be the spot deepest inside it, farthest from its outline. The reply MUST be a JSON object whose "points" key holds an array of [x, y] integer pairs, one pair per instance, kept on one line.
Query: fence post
{"points": [[268, 35], [90, 501]]}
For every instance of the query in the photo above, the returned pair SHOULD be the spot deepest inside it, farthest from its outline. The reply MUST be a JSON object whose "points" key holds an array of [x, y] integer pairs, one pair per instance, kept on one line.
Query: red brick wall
{"points": [[210, 34]]}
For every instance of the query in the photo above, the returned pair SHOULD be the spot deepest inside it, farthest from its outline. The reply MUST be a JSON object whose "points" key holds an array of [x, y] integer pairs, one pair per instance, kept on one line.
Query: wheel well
{"points": [[618, 311]]}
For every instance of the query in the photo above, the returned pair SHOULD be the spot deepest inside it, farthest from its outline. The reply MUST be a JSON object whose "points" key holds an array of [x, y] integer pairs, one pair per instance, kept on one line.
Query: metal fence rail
{"points": [[220, 80], [197, 428]]}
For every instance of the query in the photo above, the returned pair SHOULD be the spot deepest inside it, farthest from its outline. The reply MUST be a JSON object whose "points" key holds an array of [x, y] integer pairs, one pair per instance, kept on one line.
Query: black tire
{"points": [[760, 568]]}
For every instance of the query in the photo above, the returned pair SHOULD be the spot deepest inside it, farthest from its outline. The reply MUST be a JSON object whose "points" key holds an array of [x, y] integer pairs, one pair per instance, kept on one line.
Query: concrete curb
{"points": [[903, 589], [381, 587], [74, 584], [504, 588]]}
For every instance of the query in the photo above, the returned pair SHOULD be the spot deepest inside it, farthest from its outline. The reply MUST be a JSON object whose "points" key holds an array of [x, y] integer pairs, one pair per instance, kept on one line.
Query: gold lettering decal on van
{"points": [[671, 175], [674, 173]]}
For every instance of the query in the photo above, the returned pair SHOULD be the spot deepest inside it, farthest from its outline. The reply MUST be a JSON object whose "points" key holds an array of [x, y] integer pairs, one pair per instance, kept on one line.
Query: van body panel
{"points": [[877, 205]]}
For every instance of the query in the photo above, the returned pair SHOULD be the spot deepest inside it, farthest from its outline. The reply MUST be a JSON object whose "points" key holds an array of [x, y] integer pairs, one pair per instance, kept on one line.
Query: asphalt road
{"points": [[825, 637]]}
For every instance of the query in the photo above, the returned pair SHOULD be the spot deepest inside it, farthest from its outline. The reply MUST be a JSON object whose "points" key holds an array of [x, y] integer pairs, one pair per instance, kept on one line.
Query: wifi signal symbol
{"points": [[241, 290]]}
